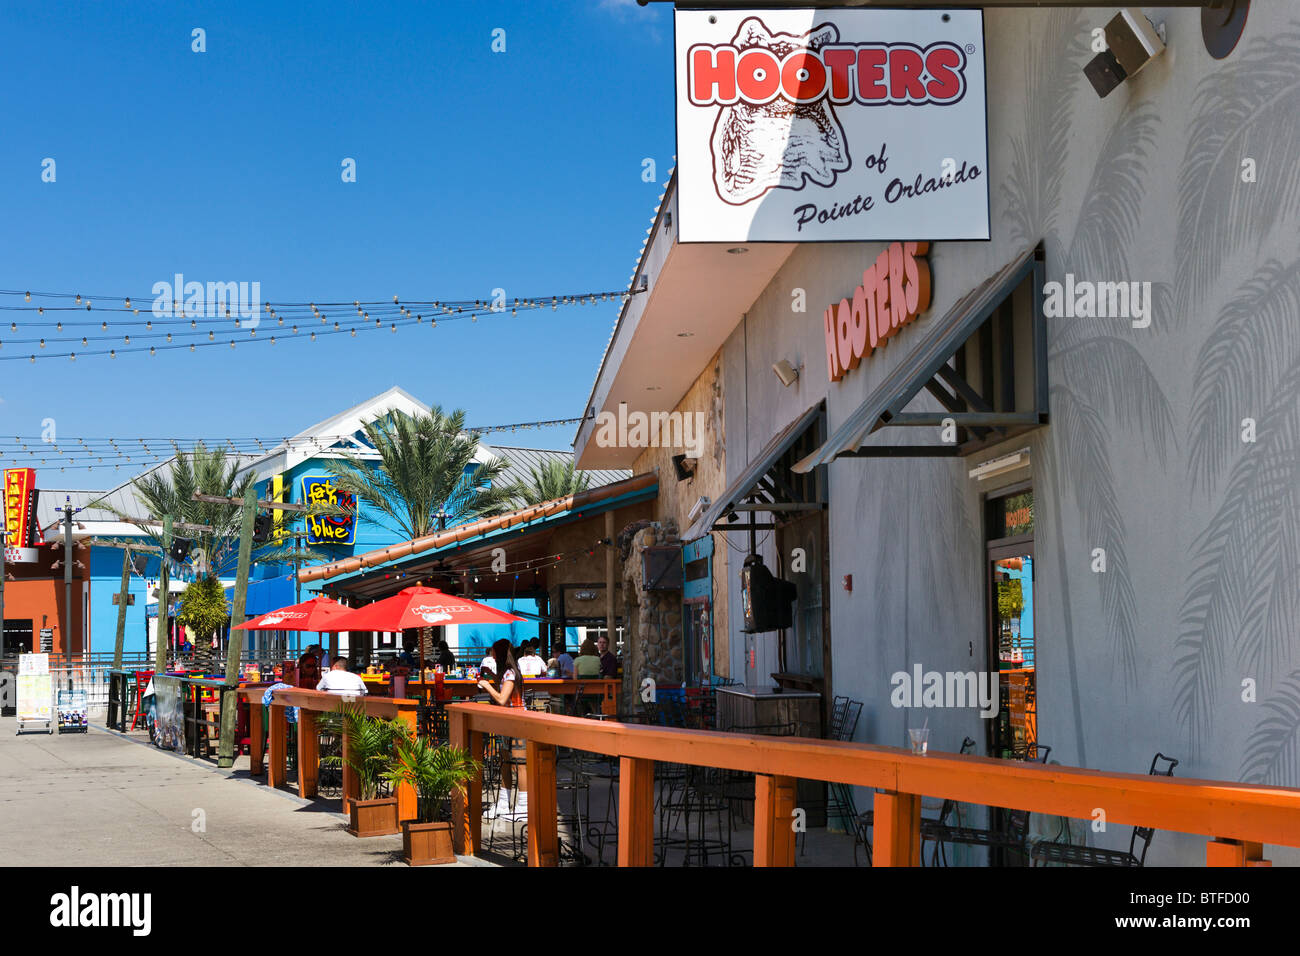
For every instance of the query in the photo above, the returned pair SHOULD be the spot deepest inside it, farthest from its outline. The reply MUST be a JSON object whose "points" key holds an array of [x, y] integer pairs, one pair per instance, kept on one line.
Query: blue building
{"points": [[294, 472]]}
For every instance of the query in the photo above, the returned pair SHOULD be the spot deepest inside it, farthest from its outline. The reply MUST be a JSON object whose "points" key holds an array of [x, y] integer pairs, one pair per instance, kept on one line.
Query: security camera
{"points": [[697, 509], [1131, 43]]}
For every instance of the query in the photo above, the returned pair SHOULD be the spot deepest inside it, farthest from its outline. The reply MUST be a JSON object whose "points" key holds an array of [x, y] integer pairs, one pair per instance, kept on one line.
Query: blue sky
{"points": [[475, 170]]}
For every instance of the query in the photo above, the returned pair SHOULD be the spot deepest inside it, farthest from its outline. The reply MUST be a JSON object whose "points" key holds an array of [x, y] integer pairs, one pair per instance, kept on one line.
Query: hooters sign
{"points": [[830, 125], [895, 289]]}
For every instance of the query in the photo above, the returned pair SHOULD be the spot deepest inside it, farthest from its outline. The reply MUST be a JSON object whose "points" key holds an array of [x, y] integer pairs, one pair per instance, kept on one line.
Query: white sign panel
{"points": [[22, 555], [831, 125]]}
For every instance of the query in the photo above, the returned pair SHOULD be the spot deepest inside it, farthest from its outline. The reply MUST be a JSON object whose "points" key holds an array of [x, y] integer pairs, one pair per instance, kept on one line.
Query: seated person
{"points": [[531, 664], [587, 663], [340, 680], [309, 667], [608, 662], [446, 659], [564, 662], [489, 664]]}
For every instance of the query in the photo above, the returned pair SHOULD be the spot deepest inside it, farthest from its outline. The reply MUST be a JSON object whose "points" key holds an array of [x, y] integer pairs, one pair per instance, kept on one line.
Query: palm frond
{"points": [[1248, 108], [1239, 365], [1079, 444], [1110, 375], [1032, 191], [1242, 591], [1272, 754]]}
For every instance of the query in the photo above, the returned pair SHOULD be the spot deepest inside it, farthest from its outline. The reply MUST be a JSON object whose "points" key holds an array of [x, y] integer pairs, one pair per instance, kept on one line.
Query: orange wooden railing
{"points": [[1238, 818], [309, 704]]}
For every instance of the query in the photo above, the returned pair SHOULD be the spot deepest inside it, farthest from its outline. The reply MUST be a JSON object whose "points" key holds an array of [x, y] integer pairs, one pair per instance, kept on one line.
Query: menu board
{"points": [[35, 696]]}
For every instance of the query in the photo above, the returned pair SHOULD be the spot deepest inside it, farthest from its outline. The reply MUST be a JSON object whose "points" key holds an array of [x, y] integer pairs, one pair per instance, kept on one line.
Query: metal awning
{"points": [[766, 489], [929, 368]]}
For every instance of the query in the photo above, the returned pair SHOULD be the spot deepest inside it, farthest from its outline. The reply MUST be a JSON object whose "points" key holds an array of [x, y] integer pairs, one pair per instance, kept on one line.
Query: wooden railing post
{"points": [[275, 775], [351, 783], [897, 829], [636, 818], [543, 838], [255, 733], [467, 807], [308, 752], [407, 798], [1235, 853], [774, 799]]}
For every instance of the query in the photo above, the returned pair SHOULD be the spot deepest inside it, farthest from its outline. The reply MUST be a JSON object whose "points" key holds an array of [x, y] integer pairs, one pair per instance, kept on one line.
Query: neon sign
{"points": [[323, 491]]}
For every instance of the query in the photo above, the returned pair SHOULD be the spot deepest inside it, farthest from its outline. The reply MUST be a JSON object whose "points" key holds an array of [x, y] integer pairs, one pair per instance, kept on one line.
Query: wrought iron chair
{"points": [[1075, 854], [860, 824]]}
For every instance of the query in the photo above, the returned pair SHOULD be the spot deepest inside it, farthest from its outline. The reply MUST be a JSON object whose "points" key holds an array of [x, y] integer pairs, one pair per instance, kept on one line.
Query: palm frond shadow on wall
{"points": [[1242, 594]]}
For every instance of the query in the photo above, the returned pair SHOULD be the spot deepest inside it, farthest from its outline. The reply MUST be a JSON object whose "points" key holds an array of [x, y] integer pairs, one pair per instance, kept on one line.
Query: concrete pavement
{"points": [[98, 799]]}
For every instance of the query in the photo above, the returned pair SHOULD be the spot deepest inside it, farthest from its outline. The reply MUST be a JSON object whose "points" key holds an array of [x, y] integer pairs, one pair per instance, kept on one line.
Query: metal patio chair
{"points": [[1075, 854]]}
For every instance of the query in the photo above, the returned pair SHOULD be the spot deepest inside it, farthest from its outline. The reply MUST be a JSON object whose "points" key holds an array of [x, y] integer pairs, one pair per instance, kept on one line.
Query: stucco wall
{"points": [[1143, 456]]}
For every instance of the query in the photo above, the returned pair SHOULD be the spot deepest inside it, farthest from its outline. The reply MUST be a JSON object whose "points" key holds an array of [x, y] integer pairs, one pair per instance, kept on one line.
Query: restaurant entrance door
{"points": [[1010, 580]]}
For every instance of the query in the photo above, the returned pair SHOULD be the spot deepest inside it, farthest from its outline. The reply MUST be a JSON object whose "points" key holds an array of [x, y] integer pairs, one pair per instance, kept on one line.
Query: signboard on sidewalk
{"points": [[71, 707], [799, 125], [35, 696]]}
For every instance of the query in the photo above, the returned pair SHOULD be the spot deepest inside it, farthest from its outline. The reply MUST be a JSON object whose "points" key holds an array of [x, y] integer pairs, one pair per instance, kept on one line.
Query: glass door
{"points": [[1009, 572]]}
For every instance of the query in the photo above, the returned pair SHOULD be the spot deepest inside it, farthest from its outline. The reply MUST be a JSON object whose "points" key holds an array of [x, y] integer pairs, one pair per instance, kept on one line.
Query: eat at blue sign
{"points": [[323, 490]]}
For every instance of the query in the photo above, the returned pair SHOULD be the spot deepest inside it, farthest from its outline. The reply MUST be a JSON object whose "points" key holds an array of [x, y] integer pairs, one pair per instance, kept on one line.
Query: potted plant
{"points": [[371, 743], [435, 772]]}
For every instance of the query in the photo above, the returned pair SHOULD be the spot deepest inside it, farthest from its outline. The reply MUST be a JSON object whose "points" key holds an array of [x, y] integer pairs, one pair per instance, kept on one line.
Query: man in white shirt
{"points": [[531, 664], [489, 664], [338, 680]]}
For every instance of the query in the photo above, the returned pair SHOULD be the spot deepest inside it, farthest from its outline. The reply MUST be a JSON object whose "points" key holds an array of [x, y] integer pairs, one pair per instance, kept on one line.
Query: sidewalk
{"points": [[96, 799]]}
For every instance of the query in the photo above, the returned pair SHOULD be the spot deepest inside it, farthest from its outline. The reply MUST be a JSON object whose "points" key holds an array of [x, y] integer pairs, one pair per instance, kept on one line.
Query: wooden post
{"points": [[121, 610], [1235, 853], [543, 838], [308, 752], [636, 817], [467, 807], [897, 829], [275, 774], [351, 783], [408, 803], [774, 837], [235, 646], [160, 631], [255, 734]]}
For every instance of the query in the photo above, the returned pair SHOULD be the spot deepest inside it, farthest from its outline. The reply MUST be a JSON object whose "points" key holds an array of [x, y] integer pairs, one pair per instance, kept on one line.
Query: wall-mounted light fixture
{"points": [[1002, 465], [1131, 43], [685, 467], [698, 508], [786, 372]]}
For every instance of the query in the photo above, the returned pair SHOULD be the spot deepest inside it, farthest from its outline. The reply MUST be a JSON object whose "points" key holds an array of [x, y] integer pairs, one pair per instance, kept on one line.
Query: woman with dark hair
{"points": [[507, 685]]}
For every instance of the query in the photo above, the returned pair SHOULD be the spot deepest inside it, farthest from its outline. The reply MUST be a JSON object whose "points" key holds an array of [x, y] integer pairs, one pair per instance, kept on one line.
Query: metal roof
{"points": [[524, 460]]}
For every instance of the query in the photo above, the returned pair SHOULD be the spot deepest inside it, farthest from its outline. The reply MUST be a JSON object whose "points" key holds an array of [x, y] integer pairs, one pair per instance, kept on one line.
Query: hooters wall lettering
{"points": [[895, 289]]}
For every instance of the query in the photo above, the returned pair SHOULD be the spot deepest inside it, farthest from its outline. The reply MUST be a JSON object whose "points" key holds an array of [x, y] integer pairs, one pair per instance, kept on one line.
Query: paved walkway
{"points": [[97, 799]]}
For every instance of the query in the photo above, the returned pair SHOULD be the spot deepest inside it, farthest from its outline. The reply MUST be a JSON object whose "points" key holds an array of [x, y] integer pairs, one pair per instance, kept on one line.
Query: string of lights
{"points": [[90, 453], [177, 330]]}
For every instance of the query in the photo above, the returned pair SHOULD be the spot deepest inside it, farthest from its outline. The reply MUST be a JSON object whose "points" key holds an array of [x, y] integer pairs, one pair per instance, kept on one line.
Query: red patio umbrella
{"points": [[318, 614], [422, 607]]}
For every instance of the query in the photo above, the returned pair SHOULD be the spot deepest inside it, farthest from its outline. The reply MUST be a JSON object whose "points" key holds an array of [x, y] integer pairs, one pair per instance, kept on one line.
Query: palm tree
{"points": [[426, 478], [556, 479], [171, 492]]}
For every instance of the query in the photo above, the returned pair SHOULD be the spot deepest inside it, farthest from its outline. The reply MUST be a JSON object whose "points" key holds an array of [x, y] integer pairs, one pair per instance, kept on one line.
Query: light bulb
{"points": [[112, 353], [27, 297], [84, 342]]}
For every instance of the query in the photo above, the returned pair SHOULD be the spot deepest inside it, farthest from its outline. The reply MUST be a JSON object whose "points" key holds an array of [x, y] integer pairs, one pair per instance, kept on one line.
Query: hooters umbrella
{"points": [[422, 607], [318, 614]]}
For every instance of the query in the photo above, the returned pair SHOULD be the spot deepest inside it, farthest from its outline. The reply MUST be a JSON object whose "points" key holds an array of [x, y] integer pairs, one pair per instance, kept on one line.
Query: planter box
{"points": [[427, 843], [373, 817]]}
